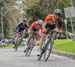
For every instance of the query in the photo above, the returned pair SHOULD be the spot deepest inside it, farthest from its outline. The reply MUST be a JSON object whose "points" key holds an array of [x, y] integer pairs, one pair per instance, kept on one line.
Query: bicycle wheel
{"points": [[48, 51], [39, 57], [26, 51], [16, 45], [43, 51], [18, 42], [29, 50]]}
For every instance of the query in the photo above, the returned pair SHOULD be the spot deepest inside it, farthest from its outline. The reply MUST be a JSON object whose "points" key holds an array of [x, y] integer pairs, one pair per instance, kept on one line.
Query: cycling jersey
{"points": [[50, 20], [20, 27], [35, 27]]}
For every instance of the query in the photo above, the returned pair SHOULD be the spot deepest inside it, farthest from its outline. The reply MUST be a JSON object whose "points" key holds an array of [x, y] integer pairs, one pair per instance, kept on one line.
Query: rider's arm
{"points": [[26, 26], [17, 25], [43, 28], [32, 26], [60, 25]]}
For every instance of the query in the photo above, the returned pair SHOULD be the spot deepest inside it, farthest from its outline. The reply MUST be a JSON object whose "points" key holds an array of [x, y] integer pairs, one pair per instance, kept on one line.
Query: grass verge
{"points": [[66, 45], [7, 46]]}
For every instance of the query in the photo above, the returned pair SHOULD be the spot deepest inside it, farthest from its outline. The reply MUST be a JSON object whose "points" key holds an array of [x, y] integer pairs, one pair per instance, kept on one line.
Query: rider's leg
{"points": [[29, 38], [18, 31], [55, 33], [43, 36], [16, 38], [24, 31], [42, 40]]}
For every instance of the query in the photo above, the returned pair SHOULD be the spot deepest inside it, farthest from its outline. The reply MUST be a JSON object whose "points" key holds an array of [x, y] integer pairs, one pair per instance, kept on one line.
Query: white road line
{"points": [[57, 56]]}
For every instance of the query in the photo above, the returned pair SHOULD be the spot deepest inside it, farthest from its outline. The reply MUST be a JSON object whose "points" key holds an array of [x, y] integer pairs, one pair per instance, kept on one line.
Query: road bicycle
{"points": [[18, 40], [47, 48], [31, 45]]}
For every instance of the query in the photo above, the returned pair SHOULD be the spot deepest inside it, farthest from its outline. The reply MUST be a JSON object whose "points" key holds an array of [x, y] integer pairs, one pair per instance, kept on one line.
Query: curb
{"points": [[61, 53]]}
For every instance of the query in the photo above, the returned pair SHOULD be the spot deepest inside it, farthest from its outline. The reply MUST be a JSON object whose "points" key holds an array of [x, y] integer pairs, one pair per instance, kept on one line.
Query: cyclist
{"points": [[21, 28], [34, 29], [52, 22]]}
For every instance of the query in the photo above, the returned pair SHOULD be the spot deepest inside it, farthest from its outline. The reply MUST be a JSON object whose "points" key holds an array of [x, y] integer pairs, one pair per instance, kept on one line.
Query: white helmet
{"points": [[40, 22]]}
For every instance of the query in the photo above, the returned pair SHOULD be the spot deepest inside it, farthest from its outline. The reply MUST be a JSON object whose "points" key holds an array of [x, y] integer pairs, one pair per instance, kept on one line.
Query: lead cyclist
{"points": [[51, 22]]}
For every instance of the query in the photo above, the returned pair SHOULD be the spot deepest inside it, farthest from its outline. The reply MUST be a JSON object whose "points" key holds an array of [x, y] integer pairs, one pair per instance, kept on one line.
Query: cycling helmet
{"points": [[40, 22], [58, 12], [25, 20]]}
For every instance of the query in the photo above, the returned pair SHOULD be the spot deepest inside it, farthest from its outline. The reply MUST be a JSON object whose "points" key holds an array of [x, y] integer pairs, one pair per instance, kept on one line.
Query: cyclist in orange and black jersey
{"points": [[51, 22]]}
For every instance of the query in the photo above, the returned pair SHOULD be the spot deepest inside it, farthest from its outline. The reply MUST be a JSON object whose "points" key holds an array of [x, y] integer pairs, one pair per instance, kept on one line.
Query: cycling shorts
{"points": [[50, 26], [19, 30]]}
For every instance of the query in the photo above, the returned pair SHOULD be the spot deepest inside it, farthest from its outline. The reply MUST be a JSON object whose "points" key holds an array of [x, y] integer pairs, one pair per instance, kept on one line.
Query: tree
{"points": [[38, 9], [33, 10], [11, 16]]}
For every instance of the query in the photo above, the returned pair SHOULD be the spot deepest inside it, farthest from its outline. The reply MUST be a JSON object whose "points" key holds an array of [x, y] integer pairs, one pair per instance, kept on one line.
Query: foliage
{"points": [[11, 16], [33, 10], [38, 9]]}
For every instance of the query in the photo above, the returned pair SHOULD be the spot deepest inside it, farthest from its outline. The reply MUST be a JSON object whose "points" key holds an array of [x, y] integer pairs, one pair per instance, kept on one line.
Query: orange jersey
{"points": [[50, 18]]}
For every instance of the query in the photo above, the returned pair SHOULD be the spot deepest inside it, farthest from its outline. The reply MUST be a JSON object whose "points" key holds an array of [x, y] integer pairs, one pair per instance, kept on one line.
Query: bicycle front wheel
{"points": [[18, 42], [16, 45], [29, 50], [48, 51]]}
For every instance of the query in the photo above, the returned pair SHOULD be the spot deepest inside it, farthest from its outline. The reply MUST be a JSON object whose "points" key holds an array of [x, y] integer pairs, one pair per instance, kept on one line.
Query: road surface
{"points": [[10, 58]]}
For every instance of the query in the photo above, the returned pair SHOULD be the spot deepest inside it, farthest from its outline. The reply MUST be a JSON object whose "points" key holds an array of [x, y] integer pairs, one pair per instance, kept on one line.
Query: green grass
{"points": [[66, 45], [7, 46]]}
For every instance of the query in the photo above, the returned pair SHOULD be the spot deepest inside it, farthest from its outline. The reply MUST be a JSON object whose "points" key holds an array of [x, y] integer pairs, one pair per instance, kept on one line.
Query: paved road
{"points": [[10, 58]]}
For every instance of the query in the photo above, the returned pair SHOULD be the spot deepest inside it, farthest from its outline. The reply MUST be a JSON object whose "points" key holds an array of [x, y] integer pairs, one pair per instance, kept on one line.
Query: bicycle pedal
{"points": [[24, 51], [38, 55], [28, 47]]}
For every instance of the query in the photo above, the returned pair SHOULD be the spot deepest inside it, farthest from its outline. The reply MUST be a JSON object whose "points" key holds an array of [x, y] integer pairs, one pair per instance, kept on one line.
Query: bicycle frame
{"points": [[49, 42], [31, 45], [18, 40]]}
